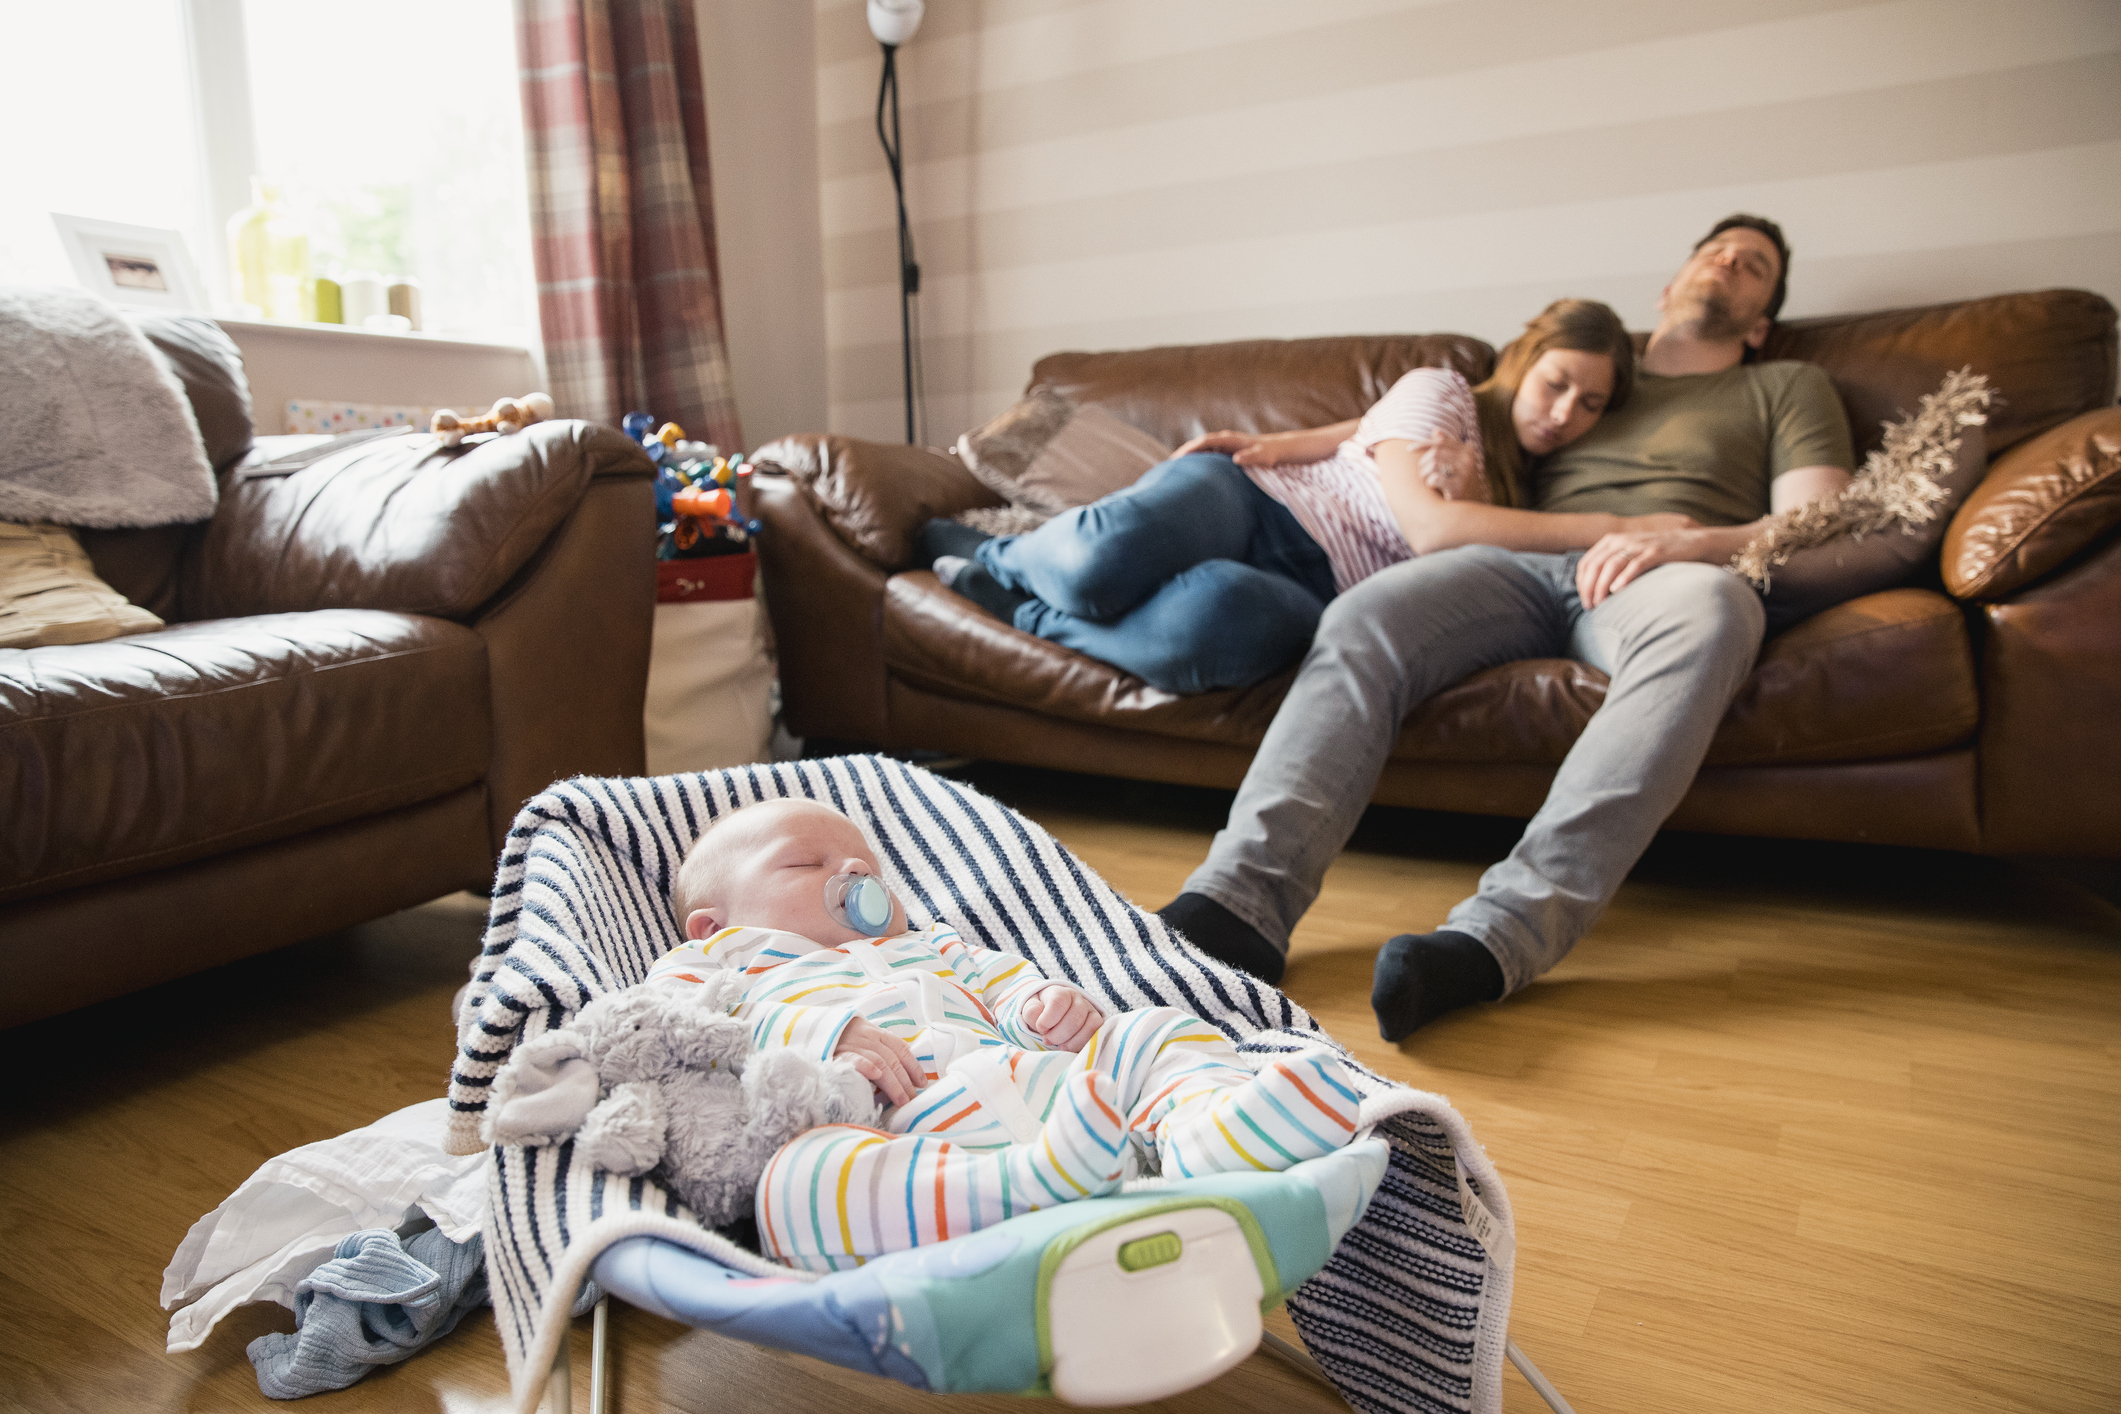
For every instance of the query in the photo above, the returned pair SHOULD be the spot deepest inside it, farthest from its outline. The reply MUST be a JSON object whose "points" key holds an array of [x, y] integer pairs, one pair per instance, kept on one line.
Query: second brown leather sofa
{"points": [[1971, 709]]}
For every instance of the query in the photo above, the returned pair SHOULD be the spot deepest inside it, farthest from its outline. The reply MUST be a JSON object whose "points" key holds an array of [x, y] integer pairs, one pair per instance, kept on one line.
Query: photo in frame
{"points": [[141, 266]]}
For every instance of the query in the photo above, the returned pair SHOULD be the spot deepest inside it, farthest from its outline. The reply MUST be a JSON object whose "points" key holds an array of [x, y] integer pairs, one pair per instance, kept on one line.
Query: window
{"points": [[393, 130], [106, 148]]}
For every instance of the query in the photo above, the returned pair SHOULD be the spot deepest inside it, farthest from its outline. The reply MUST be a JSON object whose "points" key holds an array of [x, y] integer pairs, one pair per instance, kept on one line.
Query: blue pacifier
{"points": [[860, 902]]}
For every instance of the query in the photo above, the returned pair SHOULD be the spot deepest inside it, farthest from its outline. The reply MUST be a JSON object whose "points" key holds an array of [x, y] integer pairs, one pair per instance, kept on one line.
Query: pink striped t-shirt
{"points": [[1339, 502]]}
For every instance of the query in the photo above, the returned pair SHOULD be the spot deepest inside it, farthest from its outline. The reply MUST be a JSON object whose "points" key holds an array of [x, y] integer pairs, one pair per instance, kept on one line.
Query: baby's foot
{"points": [[1297, 1107]]}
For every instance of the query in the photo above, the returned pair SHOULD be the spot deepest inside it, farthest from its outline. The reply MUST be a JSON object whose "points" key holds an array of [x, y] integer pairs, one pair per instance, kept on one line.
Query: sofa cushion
{"points": [[2049, 354], [876, 496], [139, 753], [1885, 675], [1846, 565], [1253, 385], [1046, 454], [2050, 499], [945, 643], [210, 366], [398, 522]]}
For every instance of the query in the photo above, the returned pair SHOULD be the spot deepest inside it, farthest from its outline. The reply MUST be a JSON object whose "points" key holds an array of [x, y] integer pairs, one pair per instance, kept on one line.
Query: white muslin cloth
{"points": [[283, 1223]]}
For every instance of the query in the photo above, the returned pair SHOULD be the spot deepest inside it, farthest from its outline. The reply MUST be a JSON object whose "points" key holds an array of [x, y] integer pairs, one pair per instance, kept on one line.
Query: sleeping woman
{"points": [[1212, 570]]}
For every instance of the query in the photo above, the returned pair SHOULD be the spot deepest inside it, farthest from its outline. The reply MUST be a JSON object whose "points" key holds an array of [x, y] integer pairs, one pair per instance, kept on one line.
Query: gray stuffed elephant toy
{"points": [[652, 1077]]}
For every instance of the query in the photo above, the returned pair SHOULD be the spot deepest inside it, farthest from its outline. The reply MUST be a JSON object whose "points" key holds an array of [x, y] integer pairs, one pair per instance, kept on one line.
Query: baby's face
{"points": [[771, 864]]}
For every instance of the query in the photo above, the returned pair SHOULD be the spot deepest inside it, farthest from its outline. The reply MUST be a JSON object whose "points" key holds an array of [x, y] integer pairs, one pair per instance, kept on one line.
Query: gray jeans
{"points": [[1676, 643]]}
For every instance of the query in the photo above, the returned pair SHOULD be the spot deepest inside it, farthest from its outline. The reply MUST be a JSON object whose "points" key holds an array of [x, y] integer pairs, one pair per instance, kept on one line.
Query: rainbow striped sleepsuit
{"points": [[1005, 1125]]}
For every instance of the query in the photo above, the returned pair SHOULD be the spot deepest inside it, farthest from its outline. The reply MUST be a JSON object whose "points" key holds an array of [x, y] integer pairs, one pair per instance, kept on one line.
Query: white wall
{"points": [[760, 71], [285, 361], [1113, 173]]}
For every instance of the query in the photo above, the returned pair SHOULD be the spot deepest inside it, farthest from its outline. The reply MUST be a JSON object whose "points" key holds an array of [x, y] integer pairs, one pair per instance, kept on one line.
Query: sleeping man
{"points": [[1004, 1091], [1708, 433]]}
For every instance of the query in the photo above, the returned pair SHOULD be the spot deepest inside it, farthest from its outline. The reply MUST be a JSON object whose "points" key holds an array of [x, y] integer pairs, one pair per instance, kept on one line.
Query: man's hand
{"points": [[883, 1059], [1062, 1017], [1453, 469]]}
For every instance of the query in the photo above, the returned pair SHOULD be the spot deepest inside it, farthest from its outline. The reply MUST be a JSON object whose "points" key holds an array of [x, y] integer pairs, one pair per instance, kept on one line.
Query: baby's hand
{"points": [[883, 1059], [1062, 1017]]}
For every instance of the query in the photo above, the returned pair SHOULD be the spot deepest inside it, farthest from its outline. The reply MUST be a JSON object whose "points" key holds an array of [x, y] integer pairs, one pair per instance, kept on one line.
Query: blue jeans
{"points": [[1192, 579]]}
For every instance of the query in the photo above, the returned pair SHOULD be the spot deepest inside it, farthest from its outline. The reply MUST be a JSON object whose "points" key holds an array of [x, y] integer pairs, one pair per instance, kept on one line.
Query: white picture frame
{"points": [[144, 267]]}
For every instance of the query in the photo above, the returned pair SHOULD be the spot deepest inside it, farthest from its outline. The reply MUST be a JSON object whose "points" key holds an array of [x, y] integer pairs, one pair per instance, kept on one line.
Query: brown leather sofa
{"points": [[373, 656], [1972, 709]]}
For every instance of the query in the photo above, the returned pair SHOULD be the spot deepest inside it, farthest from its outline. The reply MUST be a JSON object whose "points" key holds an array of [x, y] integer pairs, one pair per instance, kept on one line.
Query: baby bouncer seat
{"points": [[1394, 1255]]}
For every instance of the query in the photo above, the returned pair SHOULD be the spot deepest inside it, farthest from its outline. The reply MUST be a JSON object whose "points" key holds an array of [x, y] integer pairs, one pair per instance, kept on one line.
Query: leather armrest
{"points": [[876, 495], [827, 606], [398, 523], [2042, 503]]}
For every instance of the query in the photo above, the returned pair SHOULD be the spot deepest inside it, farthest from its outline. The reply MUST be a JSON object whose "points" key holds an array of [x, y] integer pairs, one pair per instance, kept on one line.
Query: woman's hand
{"points": [[1651, 525], [1062, 1017], [1312, 444], [883, 1060], [1618, 560], [1232, 444], [1453, 469]]}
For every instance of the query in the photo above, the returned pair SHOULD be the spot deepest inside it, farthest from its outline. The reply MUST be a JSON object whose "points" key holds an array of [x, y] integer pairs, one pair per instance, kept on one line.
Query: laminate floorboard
{"points": [[1798, 1127]]}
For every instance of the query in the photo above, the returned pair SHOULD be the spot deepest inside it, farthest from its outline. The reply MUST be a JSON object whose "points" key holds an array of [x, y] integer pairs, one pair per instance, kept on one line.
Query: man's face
{"points": [[771, 862], [1724, 287]]}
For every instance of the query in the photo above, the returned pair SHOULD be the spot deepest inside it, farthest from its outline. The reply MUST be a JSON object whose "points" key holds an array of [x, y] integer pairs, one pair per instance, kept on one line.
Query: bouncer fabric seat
{"points": [[1395, 1255]]}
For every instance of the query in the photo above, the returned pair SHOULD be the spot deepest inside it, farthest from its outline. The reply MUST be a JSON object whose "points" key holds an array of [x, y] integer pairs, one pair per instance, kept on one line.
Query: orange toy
{"points": [[505, 416]]}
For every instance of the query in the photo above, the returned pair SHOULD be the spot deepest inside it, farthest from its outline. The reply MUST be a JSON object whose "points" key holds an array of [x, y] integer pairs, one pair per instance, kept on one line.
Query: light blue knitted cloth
{"points": [[379, 1300]]}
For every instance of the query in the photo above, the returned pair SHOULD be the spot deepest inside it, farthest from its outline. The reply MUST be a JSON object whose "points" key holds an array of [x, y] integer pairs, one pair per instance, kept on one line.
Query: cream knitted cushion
{"points": [[49, 593]]}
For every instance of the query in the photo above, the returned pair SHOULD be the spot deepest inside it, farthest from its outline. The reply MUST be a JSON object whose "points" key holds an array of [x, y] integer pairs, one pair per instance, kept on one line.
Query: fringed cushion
{"points": [[1886, 522]]}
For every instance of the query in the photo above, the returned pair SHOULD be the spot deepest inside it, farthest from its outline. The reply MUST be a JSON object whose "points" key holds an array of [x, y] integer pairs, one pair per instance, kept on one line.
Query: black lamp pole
{"points": [[909, 272]]}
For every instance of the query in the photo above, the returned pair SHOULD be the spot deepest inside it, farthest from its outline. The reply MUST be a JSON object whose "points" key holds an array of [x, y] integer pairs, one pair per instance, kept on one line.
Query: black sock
{"points": [[1421, 976], [940, 537], [1224, 936], [972, 580]]}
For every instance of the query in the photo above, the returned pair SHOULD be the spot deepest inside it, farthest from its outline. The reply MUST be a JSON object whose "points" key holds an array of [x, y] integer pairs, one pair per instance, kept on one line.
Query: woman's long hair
{"points": [[1579, 325]]}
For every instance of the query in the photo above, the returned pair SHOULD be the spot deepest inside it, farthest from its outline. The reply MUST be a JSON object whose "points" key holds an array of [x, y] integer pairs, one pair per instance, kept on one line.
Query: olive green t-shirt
{"points": [[1705, 444]]}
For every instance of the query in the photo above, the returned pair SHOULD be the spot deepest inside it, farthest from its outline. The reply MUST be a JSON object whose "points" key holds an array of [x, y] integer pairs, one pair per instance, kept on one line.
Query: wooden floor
{"points": [[1797, 1128]]}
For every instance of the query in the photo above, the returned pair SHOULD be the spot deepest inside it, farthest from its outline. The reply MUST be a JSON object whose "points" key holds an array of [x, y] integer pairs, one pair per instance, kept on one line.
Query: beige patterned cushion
{"points": [[49, 593]]}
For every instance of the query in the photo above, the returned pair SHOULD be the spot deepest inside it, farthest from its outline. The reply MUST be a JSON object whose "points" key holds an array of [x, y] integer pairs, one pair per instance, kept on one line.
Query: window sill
{"points": [[236, 327]]}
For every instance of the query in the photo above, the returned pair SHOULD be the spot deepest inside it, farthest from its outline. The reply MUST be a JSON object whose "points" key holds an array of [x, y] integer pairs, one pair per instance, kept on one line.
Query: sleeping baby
{"points": [[1004, 1091]]}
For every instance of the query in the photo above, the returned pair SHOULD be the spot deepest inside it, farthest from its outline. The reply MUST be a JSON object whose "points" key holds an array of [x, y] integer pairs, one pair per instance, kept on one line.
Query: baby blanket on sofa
{"points": [[1409, 1315]]}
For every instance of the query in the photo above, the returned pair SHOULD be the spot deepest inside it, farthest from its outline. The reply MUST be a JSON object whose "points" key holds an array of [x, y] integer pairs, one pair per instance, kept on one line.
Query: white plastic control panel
{"points": [[1153, 1307]]}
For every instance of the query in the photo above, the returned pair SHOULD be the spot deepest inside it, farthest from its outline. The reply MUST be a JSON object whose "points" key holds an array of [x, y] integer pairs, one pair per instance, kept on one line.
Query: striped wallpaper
{"points": [[1113, 173]]}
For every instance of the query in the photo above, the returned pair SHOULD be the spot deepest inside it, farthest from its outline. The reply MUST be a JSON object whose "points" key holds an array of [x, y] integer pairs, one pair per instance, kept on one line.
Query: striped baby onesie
{"points": [[1006, 1125], [943, 998]]}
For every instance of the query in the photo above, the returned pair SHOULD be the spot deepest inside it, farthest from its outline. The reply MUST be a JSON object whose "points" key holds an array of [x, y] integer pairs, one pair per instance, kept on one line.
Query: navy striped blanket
{"points": [[1410, 1314]]}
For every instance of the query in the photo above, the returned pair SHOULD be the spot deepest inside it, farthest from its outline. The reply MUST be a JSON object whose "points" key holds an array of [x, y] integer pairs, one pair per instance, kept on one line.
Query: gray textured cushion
{"points": [[1047, 454]]}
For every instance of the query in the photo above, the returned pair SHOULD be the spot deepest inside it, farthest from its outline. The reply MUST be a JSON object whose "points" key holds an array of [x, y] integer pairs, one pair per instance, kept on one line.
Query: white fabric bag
{"points": [[710, 681]]}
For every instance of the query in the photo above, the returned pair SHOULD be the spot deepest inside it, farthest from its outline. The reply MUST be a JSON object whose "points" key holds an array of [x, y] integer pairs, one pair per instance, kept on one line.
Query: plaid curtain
{"points": [[622, 216]]}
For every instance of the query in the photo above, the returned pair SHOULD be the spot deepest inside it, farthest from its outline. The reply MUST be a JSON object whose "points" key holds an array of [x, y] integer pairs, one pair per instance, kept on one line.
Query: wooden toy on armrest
{"points": [[505, 416]]}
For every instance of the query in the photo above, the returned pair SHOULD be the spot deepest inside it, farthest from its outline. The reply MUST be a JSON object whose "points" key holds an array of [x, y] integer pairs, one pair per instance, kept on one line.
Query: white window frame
{"points": [[217, 58]]}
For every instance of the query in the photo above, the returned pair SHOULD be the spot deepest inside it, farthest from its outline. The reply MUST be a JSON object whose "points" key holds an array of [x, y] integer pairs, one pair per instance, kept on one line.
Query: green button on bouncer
{"points": [[1152, 1251]]}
